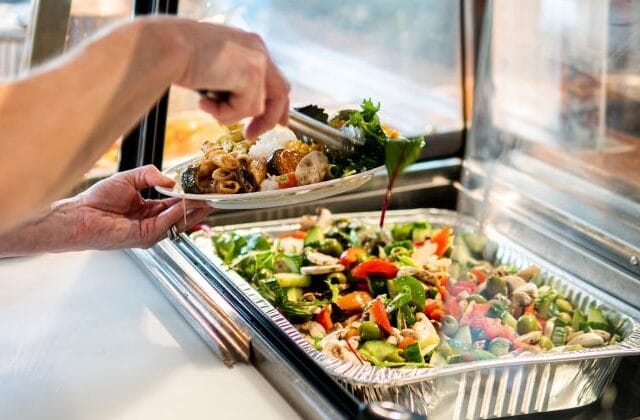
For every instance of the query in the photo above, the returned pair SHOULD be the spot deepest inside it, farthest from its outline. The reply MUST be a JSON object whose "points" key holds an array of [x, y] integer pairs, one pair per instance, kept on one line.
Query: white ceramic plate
{"points": [[264, 199]]}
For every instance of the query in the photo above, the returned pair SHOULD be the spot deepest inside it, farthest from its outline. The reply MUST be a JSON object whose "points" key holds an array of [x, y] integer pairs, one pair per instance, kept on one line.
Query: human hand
{"points": [[225, 59], [112, 214]]}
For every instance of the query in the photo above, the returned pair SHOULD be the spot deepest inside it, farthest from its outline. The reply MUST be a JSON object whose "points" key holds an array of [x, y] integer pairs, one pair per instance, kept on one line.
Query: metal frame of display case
{"points": [[145, 143], [312, 392]]}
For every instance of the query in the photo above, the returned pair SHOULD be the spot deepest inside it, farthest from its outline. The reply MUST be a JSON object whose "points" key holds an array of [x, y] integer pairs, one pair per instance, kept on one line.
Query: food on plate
{"points": [[279, 159], [406, 295]]}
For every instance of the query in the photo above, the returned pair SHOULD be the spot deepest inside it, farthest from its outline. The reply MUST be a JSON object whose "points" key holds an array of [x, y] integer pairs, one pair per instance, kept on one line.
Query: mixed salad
{"points": [[408, 294], [279, 159]]}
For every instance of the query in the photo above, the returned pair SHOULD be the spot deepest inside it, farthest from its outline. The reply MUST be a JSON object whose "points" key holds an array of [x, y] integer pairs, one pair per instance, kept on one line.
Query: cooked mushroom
{"points": [[318, 258], [602, 333], [323, 218], [528, 273], [312, 168], [530, 337], [513, 282], [313, 328], [313, 270], [589, 339]]}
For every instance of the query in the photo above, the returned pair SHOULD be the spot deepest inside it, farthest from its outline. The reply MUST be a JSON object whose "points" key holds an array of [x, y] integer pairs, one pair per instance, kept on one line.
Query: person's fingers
{"points": [[246, 85], [276, 105], [155, 228], [152, 208], [194, 216], [145, 177]]}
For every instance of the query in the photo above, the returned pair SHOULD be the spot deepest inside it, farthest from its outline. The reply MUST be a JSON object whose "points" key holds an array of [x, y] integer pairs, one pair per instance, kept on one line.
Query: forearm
{"points": [[113, 80], [55, 231]]}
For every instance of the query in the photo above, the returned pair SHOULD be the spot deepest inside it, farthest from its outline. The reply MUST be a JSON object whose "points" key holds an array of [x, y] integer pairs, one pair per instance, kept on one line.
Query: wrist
{"points": [[57, 231], [167, 38]]}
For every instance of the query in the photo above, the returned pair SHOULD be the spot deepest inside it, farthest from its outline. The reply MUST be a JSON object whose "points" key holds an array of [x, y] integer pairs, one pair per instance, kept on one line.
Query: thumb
{"points": [[147, 176]]}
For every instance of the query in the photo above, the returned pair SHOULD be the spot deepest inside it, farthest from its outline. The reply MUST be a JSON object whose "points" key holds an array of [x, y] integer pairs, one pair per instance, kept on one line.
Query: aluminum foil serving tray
{"points": [[493, 388]]}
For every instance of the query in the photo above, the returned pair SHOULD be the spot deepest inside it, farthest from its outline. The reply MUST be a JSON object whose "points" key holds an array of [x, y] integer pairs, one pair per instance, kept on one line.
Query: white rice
{"points": [[272, 140]]}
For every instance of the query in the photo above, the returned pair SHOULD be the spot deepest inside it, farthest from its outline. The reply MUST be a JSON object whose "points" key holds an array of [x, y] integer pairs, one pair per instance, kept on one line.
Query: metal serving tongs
{"points": [[343, 141]]}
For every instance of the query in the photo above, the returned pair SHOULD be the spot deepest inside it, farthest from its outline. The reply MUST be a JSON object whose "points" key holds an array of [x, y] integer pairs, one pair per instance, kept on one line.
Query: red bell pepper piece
{"points": [[298, 234], [352, 255], [380, 317], [436, 315], [375, 267], [443, 292], [287, 180], [353, 302], [441, 239], [324, 318], [406, 342], [480, 276]]}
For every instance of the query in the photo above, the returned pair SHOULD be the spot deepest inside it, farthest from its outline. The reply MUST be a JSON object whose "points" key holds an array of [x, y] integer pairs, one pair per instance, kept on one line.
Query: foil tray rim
{"points": [[375, 377]]}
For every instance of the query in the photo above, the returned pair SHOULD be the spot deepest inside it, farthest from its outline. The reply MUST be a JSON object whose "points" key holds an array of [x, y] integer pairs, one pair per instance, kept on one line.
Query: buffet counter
{"points": [[87, 335]]}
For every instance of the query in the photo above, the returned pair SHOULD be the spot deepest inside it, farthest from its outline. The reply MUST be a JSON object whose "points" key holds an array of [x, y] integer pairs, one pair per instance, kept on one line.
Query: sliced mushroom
{"points": [[314, 329], [574, 335], [312, 168], [323, 218], [427, 277], [528, 273], [513, 282], [589, 339], [318, 258], [602, 333], [313, 270], [521, 299], [524, 295], [530, 337]]}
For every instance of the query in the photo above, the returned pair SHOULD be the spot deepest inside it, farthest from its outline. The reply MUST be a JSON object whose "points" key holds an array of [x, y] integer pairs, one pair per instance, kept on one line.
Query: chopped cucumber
{"points": [[294, 294], [292, 280]]}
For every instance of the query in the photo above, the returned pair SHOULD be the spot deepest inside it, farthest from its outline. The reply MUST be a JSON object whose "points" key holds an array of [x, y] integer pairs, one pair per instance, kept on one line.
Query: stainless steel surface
{"points": [[186, 288], [323, 133], [506, 386], [205, 310]]}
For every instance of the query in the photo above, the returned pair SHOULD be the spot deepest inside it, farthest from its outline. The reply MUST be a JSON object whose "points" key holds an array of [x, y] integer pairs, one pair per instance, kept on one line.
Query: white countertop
{"points": [[87, 335]]}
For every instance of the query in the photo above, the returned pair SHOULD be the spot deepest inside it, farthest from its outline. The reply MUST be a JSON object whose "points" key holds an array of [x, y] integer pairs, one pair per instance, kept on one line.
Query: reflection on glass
{"points": [[335, 53], [14, 16], [557, 109], [88, 17]]}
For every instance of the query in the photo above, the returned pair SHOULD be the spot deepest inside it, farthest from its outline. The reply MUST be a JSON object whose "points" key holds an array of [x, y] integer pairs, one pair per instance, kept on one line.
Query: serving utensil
{"points": [[343, 142]]}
